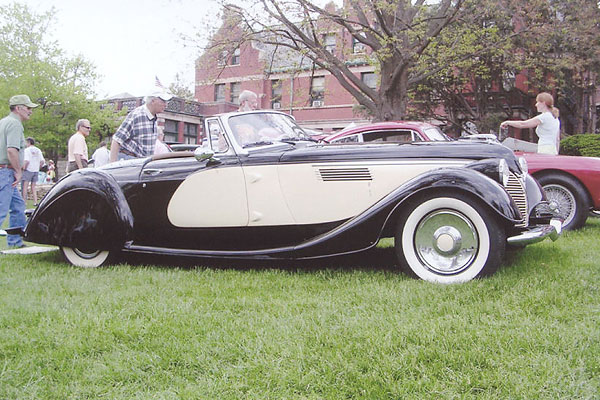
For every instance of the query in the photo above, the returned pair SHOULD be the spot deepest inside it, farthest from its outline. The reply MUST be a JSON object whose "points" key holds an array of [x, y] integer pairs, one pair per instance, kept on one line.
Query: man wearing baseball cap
{"points": [[136, 137], [12, 145]]}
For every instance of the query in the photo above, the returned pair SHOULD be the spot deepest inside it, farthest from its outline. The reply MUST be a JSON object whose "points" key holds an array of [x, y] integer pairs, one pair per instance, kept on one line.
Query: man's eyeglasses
{"points": [[86, 127]]}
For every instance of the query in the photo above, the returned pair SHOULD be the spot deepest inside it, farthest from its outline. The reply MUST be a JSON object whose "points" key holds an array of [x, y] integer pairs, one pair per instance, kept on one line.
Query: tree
{"points": [[563, 53], [407, 41], [180, 89], [479, 89], [30, 63], [555, 45]]}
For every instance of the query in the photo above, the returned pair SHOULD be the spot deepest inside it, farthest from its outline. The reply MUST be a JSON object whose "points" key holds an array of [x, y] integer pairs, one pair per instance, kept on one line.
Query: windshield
{"points": [[435, 135], [258, 129]]}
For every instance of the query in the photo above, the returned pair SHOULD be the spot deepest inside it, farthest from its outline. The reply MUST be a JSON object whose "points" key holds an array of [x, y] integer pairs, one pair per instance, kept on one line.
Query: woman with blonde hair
{"points": [[547, 124]]}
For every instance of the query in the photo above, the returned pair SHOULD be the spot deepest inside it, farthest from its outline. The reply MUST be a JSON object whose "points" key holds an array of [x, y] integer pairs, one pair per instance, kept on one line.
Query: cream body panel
{"points": [[312, 200], [210, 198], [266, 203]]}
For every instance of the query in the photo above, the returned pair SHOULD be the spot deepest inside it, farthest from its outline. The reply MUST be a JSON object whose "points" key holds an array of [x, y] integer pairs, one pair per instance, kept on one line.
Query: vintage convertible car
{"points": [[261, 189], [571, 184]]}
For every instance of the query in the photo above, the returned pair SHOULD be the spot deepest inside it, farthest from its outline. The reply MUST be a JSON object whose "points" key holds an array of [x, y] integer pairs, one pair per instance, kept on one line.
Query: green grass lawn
{"points": [[344, 328]]}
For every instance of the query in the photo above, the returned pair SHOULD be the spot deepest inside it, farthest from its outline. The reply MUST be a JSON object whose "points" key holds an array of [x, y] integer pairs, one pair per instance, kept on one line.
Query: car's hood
{"points": [[429, 150]]}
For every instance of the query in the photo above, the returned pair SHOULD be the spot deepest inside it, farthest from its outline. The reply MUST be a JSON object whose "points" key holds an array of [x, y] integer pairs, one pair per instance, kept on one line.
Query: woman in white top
{"points": [[547, 124]]}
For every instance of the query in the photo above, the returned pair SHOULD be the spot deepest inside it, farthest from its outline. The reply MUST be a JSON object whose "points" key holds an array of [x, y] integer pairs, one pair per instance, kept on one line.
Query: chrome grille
{"points": [[517, 192], [345, 174]]}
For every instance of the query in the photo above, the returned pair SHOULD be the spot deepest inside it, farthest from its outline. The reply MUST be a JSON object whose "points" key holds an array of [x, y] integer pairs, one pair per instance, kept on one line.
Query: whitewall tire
{"points": [[449, 239], [86, 258]]}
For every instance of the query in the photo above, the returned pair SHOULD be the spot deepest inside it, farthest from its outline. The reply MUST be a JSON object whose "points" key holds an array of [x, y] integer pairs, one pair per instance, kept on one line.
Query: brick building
{"points": [[182, 120], [287, 82], [283, 80]]}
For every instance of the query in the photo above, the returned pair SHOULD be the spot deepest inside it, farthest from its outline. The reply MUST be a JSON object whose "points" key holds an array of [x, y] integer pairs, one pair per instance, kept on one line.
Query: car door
{"points": [[214, 196], [181, 199]]}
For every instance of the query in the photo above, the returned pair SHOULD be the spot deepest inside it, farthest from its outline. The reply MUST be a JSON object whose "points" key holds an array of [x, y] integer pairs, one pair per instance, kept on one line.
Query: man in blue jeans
{"points": [[12, 145]]}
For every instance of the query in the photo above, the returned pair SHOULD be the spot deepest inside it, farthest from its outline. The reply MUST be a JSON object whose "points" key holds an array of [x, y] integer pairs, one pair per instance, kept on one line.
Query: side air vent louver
{"points": [[344, 174], [517, 192]]}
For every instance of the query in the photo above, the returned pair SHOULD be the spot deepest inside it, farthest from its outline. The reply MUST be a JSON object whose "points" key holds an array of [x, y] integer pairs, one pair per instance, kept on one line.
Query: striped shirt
{"points": [[137, 133]]}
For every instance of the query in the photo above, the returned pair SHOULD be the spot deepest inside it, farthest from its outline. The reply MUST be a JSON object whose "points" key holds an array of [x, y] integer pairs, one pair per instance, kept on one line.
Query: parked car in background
{"points": [[388, 132], [261, 188], [572, 184]]}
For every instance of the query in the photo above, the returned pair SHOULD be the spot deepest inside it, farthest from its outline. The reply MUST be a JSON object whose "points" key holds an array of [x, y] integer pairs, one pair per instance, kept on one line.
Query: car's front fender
{"points": [[364, 230], [85, 209]]}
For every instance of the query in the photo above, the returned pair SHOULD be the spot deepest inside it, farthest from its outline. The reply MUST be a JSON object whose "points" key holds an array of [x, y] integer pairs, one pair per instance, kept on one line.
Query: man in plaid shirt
{"points": [[136, 137]]}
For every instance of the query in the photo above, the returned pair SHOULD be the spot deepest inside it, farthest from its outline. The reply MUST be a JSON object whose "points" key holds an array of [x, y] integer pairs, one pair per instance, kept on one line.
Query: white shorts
{"points": [[547, 149]]}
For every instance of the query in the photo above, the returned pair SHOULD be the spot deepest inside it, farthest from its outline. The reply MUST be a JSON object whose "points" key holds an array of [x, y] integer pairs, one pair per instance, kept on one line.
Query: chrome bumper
{"points": [[537, 234]]}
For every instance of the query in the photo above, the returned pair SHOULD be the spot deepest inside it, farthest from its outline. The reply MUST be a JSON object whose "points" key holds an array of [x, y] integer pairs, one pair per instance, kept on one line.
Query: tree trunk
{"points": [[394, 94]]}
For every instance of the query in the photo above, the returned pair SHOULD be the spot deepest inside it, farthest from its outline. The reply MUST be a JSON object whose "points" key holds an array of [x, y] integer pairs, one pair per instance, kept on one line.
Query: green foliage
{"points": [[32, 64], [350, 328], [180, 89], [581, 145]]}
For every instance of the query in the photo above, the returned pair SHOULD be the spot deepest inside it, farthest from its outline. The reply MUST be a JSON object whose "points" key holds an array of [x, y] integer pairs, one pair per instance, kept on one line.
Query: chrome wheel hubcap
{"points": [[446, 242]]}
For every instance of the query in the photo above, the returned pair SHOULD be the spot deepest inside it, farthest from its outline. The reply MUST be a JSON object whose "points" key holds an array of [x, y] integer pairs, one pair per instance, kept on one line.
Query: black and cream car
{"points": [[261, 188]]}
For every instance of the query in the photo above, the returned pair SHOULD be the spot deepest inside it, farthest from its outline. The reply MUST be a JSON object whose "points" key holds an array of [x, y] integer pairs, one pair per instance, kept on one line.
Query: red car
{"points": [[572, 184], [393, 132]]}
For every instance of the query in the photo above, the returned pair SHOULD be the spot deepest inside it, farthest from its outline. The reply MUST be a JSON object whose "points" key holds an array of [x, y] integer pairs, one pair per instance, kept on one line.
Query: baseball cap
{"points": [[161, 94], [21, 99]]}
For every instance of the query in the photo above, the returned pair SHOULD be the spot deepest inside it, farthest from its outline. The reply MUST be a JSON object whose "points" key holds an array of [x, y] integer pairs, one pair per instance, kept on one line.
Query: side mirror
{"points": [[203, 153]]}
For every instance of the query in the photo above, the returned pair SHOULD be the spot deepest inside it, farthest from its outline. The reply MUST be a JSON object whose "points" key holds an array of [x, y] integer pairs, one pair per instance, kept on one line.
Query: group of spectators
{"points": [[21, 160]]}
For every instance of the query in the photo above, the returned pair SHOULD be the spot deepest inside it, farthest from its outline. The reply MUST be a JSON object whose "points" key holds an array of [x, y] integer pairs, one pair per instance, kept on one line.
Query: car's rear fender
{"points": [[86, 209]]}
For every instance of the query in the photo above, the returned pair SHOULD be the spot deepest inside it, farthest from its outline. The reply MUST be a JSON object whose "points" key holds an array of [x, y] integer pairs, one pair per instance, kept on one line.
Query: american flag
{"points": [[157, 82]]}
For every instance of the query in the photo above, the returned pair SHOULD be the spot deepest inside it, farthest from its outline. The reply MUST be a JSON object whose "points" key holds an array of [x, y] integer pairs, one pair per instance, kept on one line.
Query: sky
{"points": [[129, 41]]}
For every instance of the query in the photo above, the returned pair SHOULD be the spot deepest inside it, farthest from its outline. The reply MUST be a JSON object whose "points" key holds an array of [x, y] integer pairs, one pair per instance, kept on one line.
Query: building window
{"points": [[508, 80], [357, 46], [222, 58], [317, 91], [235, 92], [276, 94], [170, 131], [235, 58], [190, 133], [369, 79], [329, 40], [220, 92]]}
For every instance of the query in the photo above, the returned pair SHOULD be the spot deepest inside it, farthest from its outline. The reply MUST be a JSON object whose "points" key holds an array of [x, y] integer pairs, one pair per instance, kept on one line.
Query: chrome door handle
{"points": [[152, 171]]}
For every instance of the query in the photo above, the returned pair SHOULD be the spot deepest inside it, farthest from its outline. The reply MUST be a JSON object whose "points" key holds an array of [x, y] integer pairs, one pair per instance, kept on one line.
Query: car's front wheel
{"points": [[569, 197], [449, 239], [86, 258]]}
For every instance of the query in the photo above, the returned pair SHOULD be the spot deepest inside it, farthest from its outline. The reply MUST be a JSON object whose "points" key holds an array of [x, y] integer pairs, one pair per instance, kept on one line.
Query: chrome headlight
{"points": [[503, 172]]}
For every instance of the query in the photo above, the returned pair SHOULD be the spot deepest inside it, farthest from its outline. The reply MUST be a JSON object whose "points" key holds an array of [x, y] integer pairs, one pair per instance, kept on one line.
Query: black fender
{"points": [[365, 230], [85, 209]]}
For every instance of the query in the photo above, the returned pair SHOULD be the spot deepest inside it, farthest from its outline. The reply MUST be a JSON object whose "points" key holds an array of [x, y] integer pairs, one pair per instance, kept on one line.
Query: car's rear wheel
{"points": [[569, 197], [86, 258], [449, 239]]}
